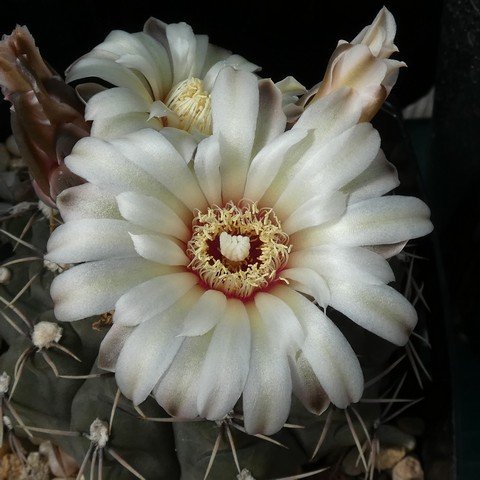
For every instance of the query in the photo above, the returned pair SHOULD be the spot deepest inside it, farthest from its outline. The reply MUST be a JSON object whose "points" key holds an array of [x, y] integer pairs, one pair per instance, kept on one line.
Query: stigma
{"points": [[234, 247]]}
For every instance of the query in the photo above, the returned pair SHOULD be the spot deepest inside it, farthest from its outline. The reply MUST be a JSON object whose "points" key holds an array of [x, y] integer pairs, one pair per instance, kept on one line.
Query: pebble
{"points": [[388, 457], [408, 469]]}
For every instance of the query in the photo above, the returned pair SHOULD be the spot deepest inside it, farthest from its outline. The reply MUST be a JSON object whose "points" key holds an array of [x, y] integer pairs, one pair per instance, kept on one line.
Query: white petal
{"points": [[205, 314], [213, 56], [99, 162], [184, 143], [388, 250], [377, 308], [315, 283], [112, 345], [235, 61], [159, 248], [122, 124], [151, 213], [269, 160], [316, 211], [268, 390], [90, 239], [327, 167], [160, 62], [177, 391], [377, 180], [115, 101], [271, 121], [152, 152], [235, 101], [390, 219], [328, 352], [200, 55], [225, 369], [344, 263], [183, 44], [149, 351], [88, 201], [347, 67], [92, 65], [140, 53], [152, 297], [158, 109], [306, 386], [93, 288], [207, 169], [279, 317], [332, 114]]}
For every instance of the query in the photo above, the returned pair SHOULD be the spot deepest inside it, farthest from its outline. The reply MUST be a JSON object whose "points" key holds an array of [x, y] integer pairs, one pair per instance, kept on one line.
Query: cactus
{"points": [[52, 389]]}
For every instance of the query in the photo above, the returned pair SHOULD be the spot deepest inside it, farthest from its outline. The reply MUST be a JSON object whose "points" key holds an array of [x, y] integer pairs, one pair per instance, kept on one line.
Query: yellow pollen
{"points": [[192, 104], [238, 249]]}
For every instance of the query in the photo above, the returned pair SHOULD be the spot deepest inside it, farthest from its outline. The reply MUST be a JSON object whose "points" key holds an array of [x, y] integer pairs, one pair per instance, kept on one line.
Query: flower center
{"points": [[238, 249], [189, 100]]}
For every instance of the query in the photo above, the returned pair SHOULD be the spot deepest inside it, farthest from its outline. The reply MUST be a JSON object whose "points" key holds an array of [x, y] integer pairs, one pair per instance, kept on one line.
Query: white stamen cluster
{"points": [[99, 432], [45, 334], [192, 104], [238, 269], [4, 383]]}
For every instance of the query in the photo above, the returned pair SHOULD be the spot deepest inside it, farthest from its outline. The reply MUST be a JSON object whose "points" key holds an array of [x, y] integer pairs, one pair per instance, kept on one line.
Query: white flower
{"points": [[364, 66], [201, 323], [163, 77]]}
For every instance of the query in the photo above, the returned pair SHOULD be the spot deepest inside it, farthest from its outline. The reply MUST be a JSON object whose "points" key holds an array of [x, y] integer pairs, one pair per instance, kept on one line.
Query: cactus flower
{"points": [[219, 262], [47, 117], [163, 76], [364, 65]]}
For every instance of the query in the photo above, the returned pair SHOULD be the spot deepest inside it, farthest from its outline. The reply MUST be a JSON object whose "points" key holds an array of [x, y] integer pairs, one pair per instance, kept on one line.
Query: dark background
{"points": [[293, 40]]}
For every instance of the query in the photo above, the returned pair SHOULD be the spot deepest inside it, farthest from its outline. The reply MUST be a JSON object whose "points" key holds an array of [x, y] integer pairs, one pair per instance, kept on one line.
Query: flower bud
{"points": [[47, 117], [364, 65]]}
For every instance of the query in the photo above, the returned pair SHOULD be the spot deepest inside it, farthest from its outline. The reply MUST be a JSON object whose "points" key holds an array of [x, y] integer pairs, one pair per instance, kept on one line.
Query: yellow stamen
{"points": [[192, 104], [238, 249]]}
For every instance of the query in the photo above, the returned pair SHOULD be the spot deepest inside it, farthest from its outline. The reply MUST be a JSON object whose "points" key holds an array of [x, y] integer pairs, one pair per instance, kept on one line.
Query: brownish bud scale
{"points": [[46, 115]]}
